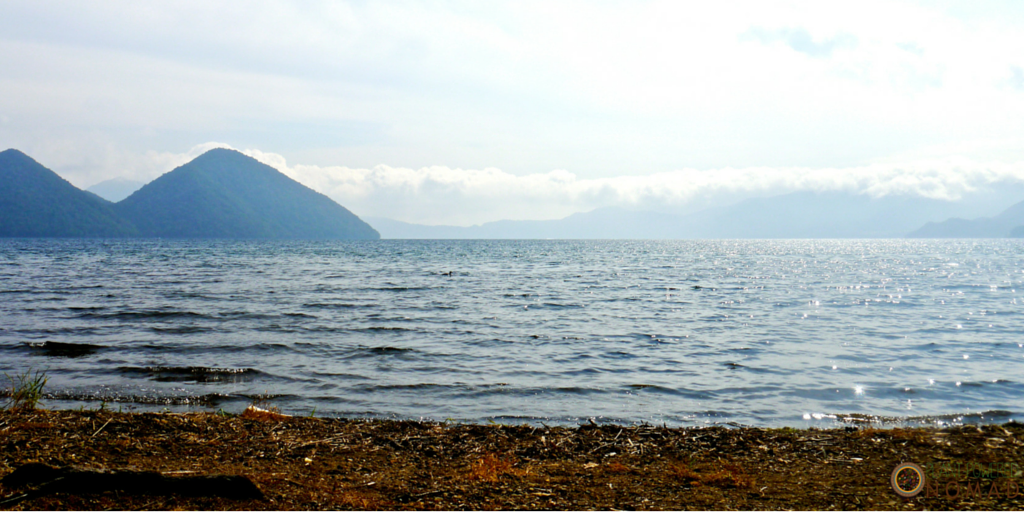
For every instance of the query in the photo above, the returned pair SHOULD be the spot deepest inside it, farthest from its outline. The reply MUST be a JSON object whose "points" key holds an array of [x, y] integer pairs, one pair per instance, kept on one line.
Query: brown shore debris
{"points": [[318, 463]]}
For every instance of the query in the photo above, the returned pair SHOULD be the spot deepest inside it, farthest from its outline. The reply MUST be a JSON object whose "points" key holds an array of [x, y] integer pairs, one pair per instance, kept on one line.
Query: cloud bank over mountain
{"points": [[455, 112], [443, 195]]}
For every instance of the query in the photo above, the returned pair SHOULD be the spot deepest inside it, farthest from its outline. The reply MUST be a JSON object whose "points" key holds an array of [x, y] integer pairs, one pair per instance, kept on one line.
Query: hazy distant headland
{"points": [[220, 194]]}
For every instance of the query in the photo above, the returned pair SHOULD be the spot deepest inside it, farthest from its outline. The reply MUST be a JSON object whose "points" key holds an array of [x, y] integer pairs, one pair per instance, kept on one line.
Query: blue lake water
{"points": [[767, 333]]}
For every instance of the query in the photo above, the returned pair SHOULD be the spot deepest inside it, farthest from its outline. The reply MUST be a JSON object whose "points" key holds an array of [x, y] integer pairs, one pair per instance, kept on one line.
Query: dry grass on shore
{"points": [[307, 463]]}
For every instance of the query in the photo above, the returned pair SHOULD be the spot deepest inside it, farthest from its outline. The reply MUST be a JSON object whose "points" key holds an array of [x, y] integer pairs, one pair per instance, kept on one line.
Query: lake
{"points": [[743, 332]]}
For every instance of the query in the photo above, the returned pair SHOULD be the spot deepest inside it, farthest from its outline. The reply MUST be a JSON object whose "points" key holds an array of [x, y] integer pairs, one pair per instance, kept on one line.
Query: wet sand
{"points": [[311, 463]]}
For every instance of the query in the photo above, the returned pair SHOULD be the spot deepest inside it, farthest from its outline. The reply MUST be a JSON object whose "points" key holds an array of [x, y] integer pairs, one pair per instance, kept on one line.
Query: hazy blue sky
{"points": [[465, 112]]}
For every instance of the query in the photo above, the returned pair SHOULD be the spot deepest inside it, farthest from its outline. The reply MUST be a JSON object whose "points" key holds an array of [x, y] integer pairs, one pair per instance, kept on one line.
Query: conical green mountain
{"points": [[36, 202], [225, 194]]}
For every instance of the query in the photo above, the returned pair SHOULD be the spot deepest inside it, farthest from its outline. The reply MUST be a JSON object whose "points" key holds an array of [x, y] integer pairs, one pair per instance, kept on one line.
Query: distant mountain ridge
{"points": [[116, 189], [608, 222], [1009, 223], [220, 194], [793, 215]]}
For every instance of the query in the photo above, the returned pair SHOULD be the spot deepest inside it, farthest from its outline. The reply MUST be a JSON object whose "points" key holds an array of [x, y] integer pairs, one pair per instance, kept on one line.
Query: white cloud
{"points": [[603, 89], [652, 103], [800, 40], [442, 195]]}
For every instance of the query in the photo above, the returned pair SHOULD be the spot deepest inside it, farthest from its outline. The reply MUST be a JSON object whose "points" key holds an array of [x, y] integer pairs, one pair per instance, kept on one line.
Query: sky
{"points": [[466, 112]]}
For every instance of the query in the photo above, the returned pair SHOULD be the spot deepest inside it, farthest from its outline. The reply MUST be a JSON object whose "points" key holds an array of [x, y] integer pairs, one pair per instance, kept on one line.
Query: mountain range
{"points": [[794, 215], [1008, 223], [220, 194], [225, 194]]}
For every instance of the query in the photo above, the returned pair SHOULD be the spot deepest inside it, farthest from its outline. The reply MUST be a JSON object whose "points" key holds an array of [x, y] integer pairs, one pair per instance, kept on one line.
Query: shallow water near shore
{"points": [[766, 333]]}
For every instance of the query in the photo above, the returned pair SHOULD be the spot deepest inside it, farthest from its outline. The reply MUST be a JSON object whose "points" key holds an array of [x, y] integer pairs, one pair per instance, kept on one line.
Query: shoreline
{"points": [[215, 404], [318, 463]]}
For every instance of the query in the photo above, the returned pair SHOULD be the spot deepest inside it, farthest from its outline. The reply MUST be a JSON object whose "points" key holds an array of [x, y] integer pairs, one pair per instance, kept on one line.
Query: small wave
{"points": [[190, 295], [60, 349], [341, 374], [142, 315], [335, 305], [381, 328], [390, 350], [77, 331], [619, 354], [208, 400], [403, 387], [234, 315], [230, 348], [375, 352], [191, 373], [681, 392], [652, 388], [577, 390], [31, 291], [993, 416], [519, 419], [313, 329], [187, 329], [555, 305], [399, 288]]}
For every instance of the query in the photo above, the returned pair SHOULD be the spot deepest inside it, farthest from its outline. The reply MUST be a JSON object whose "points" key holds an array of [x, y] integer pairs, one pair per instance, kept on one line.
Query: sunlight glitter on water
{"points": [[686, 332]]}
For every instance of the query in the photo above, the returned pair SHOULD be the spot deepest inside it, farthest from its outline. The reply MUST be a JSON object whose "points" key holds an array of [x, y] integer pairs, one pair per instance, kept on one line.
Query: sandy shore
{"points": [[308, 463]]}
